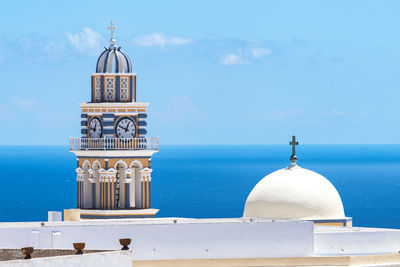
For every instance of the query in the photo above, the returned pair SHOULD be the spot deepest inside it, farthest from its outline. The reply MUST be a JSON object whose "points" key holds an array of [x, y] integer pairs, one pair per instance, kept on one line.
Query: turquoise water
{"points": [[209, 181]]}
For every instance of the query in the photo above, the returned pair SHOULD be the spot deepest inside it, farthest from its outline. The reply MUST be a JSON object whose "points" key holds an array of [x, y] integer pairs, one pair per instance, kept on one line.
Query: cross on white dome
{"points": [[112, 29], [293, 143]]}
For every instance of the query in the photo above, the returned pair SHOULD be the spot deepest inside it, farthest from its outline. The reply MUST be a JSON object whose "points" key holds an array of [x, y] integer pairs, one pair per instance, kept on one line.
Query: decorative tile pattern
{"points": [[110, 89], [124, 88], [97, 92]]}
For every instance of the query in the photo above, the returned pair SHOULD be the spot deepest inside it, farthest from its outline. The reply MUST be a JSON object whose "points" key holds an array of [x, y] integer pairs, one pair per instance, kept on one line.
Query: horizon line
{"points": [[255, 144]]}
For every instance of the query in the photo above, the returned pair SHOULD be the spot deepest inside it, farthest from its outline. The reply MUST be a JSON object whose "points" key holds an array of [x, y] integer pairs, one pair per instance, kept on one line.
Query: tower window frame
{"points": [[124, 88], [109, 88], [97, 88]]}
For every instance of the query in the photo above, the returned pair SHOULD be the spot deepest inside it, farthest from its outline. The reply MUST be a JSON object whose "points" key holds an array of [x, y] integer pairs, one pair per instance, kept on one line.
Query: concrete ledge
{"points": [[16, 254], [114, 153], [329, 241], [110, 258], [295, 261], [117, 214]]}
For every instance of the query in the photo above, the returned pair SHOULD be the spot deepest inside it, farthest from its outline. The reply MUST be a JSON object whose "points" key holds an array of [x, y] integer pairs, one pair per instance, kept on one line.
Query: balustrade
{"points": [[113, 143]]}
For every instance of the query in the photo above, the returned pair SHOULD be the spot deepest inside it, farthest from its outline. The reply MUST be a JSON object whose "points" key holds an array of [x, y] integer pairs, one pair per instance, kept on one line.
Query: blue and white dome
{"points": [[113, 60]]}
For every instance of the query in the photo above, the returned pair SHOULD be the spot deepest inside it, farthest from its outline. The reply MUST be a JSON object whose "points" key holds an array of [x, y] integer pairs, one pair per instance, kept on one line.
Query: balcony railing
{"points": [[113, 143]]}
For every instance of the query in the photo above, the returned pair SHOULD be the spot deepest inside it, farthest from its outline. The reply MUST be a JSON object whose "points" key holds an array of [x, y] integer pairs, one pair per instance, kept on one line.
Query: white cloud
{"points": [[363, 114], [245, 55], [160, 39], [87, 40], [27, 43], [5, 111], [336, 112], [35, 49], [54, 50], [37, 111], [280, 114], [232, 59], [27, 103], [260, 52], [2, 50]]}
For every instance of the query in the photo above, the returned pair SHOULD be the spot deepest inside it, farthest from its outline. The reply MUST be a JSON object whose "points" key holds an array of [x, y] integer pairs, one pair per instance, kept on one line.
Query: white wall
{"points": [[356, 241], [232, 238], [103, 259]]}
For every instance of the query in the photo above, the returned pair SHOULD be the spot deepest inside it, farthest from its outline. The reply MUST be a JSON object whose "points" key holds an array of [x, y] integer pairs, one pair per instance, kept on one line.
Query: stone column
{"points": [[97, 189], [107, 185], [146, 181], [102, 179], [92, 189], [79, 181], [136, 190], [128, 189]]}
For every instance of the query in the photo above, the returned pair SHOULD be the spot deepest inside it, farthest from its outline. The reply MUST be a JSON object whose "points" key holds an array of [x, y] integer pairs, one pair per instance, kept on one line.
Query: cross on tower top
{"points": [[112, 29], [293, 143]]}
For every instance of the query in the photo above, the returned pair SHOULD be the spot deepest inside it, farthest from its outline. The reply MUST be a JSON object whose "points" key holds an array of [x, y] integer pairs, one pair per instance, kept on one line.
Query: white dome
{"points": [[294, 193]]}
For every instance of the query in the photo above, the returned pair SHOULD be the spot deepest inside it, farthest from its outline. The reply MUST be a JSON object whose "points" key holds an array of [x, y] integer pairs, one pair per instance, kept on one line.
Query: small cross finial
{"points": [[293, 143], [112, 29]]}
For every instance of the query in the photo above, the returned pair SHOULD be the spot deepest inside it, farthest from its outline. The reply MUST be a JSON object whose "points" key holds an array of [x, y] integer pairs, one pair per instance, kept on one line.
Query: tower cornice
{"points": [[114, 74], [114, 104]]}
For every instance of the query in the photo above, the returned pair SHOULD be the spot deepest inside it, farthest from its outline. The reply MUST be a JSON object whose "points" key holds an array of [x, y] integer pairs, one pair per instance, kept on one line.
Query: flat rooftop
{"points": [[16, 254]]}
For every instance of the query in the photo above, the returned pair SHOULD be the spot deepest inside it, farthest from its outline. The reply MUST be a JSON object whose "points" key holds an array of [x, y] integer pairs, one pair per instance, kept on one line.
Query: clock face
{"points": [[95, 128], [126, 128]]}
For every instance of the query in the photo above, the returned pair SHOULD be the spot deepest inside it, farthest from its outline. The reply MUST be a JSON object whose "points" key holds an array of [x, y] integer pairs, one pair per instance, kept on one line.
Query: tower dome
{"points": [[113, 80], [113, 60], [294, 193]]}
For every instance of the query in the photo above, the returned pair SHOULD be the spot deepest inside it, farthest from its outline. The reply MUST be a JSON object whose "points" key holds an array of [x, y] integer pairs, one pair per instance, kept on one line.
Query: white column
{"points": [[96, 177], [145, 184], [79, 189], [137, 188], [107, 186], [129, 189], [91, 188]]}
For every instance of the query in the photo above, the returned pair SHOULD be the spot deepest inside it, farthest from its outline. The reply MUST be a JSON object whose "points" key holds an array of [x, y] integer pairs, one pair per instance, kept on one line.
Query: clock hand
{"points": [[122, 127], [126, 129]]}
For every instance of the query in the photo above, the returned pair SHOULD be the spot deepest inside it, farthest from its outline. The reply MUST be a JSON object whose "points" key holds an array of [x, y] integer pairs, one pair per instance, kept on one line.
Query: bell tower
{"points": [[113, 152]]}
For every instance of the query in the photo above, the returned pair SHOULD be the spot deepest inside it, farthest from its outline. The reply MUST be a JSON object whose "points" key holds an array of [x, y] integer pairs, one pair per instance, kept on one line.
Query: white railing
{"points": [[113, 143]]}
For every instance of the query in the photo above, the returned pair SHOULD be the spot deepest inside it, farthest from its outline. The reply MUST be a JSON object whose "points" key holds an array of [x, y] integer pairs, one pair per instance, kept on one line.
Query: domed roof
{"points": [[294, 193], [113, 60]]}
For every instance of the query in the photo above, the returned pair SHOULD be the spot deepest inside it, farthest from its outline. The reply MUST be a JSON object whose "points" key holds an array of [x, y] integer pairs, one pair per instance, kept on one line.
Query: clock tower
{"points": [[113, 152]]}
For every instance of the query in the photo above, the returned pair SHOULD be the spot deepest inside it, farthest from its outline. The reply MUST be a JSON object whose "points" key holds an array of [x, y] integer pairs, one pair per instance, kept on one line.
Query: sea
{"points": [[209, 181]]}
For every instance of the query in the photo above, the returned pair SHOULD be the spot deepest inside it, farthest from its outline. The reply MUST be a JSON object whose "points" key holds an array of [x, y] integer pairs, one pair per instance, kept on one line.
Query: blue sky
{"points": [[215, 72]]}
